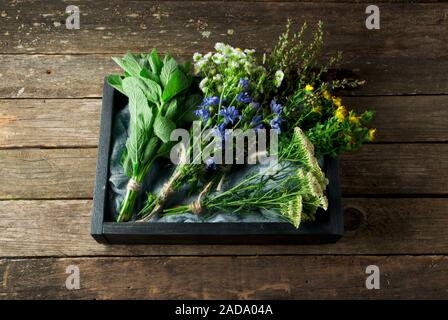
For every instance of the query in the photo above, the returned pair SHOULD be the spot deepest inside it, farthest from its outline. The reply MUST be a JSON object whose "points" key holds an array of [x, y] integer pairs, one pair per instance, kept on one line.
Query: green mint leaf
{"points": [[176, 84], [186, 110], [150, 88], [163, 127], [129, 64], [169, 66], [126, 163], [145, 73], [171, 110], [165, 148], [114, 80], [153, 90], [155, 62], [150, 150]]}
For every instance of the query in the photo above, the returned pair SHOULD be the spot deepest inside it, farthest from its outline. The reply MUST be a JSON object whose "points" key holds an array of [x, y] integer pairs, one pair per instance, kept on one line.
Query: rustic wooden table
{"points": [[394, 190]]}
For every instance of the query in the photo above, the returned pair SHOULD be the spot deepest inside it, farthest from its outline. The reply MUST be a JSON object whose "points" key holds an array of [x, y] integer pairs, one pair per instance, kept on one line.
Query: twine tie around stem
{"points": [[133, 185], [196, 207]]}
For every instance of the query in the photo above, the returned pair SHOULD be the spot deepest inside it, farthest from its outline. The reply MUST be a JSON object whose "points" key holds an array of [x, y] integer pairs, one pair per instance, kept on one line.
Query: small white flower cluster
{"points": [[226, 64], [278, 78]]}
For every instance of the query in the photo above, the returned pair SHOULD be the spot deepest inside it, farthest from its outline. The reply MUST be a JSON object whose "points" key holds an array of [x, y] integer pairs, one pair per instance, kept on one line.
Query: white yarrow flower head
{"points": [[278, 78], [197, 57]]}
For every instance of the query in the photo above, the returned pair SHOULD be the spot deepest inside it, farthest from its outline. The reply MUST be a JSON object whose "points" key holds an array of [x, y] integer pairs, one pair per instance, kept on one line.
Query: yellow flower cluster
{"points": [[353, 119], [309, 87], [326, 95], [340, 113], [372, 133], [337, 101]]}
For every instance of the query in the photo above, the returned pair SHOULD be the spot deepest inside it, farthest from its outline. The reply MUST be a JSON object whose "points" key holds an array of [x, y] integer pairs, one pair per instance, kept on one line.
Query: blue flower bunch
{"points": [[236, 89]]}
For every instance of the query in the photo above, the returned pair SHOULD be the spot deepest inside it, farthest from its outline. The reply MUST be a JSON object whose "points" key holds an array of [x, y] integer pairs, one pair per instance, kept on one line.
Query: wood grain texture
{"points": [[49, 123], [81, 76], [403, 57], [75, 122], [396, 169], [47, 173], [262, 277], [376, 169], [406, 118], [43, 228], [187, 26]]}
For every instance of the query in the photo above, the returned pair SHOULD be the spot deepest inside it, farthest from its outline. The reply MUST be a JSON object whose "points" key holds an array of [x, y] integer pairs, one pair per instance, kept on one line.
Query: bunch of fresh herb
{"points": [[159, 101], [234, 85], [290, 93], [306, 94], [294, 192]]}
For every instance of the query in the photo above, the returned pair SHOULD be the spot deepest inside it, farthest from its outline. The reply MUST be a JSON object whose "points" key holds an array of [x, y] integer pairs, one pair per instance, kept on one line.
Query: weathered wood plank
{"points": [[396, 169], [47, 173], [74, 123], [188, 26], [262, 277], [81, 76], [49, 123], [373, 226], [407, 118], [401, 58], [54, 76], [376, 169]]}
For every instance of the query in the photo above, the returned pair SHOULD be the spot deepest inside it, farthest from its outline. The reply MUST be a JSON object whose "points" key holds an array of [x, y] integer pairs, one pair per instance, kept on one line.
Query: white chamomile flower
{"points": [[218, 58], [207, 56], [234, 64], [203, 84], [217, 77], [197, 57], [278, 78], [249, 51], [220, 47], [237, 52], [198, 66]]}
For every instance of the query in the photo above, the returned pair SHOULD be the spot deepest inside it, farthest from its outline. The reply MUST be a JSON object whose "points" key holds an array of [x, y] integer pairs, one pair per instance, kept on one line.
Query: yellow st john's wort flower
{"points": [[309, 87], [317, 109], [371, 134], [354, 119], [326, 95], [340, 113], [337, 101]]}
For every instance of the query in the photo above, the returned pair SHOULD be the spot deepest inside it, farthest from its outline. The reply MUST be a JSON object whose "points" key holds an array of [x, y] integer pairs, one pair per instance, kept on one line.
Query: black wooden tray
{"points": [[327, 228]]}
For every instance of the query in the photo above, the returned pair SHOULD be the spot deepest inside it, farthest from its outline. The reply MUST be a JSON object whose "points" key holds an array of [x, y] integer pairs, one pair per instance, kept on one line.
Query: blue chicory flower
{"points": [[244, 83], [202, 113], [275, 124], [244, 97], [210, 101], [230, 114], [255, 120], [276, 107], [220, 132]]}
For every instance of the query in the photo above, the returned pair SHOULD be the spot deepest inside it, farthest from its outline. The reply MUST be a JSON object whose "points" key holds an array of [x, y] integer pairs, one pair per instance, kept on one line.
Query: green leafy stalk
{"points": [[158, 104]]}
